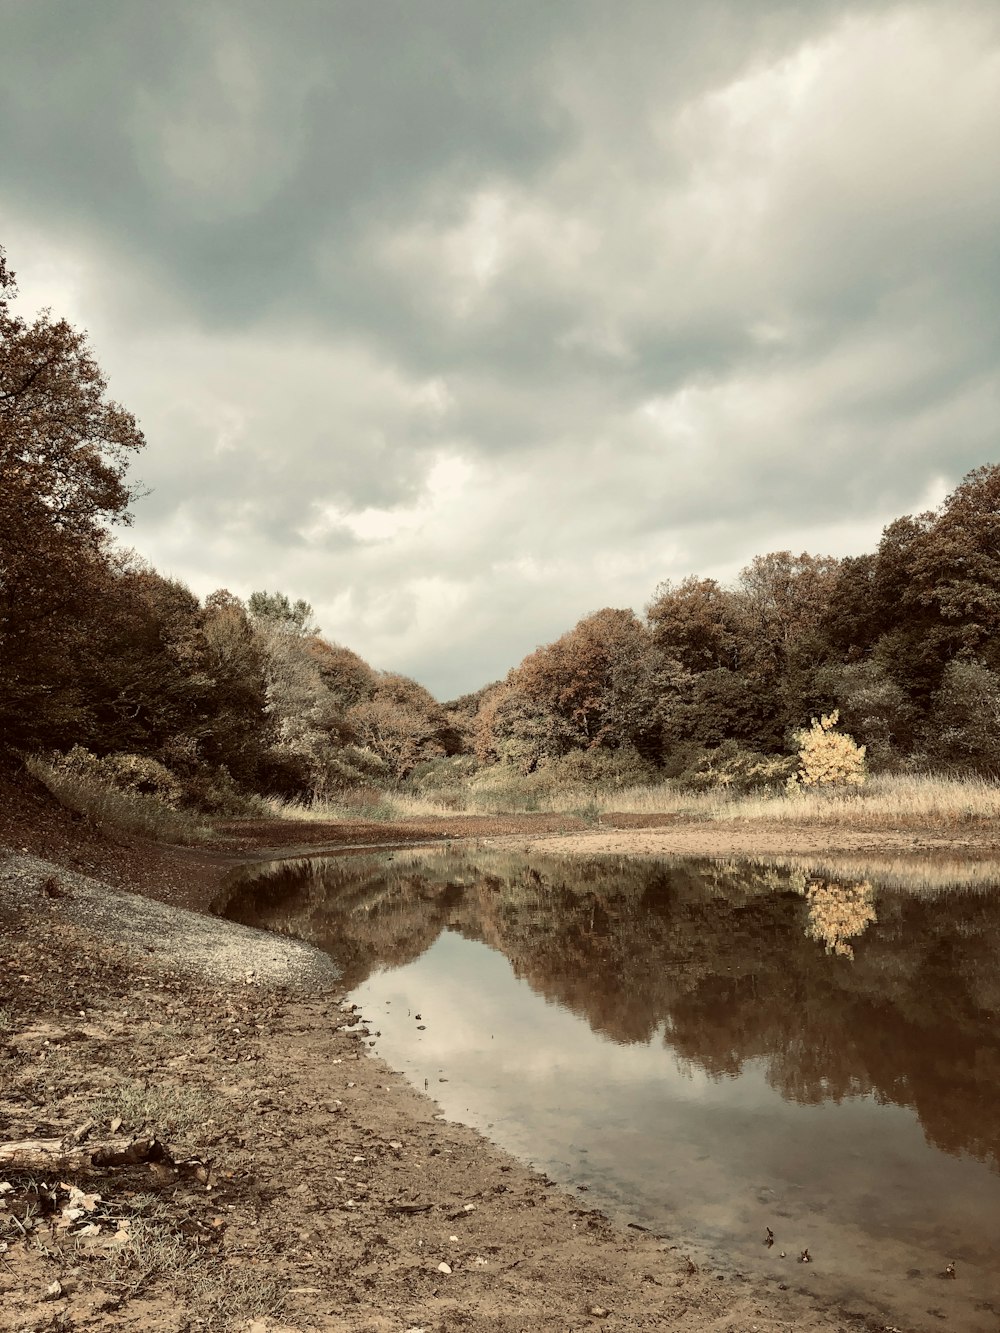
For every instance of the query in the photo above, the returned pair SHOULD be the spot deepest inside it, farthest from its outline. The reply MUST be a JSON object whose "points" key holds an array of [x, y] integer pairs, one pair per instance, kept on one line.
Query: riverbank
{"points": [[325, 1193], [192, 877], [313, 1188]]}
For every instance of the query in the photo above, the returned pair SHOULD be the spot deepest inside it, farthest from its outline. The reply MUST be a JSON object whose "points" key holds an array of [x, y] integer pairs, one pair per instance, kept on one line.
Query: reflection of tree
{"points": [[722, 959], [839, 912]]}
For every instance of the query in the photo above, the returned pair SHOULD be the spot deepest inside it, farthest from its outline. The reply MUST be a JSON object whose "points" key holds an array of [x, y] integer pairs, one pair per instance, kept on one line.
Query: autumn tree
{"points": [[696, 623], [594, 686], [512, 727], [64, 452], [403, 724], [828, 757]]}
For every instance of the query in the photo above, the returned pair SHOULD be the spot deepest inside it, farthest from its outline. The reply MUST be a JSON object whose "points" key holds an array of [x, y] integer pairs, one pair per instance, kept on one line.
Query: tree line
{"points": [[904, 643], [100, 654]]}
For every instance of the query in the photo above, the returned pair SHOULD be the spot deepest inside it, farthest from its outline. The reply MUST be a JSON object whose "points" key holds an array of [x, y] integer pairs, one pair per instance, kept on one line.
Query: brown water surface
{"points": [[709, 1049]]}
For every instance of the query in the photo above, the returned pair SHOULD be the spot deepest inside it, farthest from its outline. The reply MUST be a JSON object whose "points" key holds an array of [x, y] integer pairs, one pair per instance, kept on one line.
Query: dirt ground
{"points": [[758, 838], [313, 1188]]}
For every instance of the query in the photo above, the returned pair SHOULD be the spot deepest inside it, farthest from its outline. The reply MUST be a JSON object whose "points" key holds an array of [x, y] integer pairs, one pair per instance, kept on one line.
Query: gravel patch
{"points": [[165, 938]]}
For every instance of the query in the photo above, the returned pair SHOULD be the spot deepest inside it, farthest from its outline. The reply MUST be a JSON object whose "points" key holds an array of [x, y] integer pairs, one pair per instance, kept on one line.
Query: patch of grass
{"points": [[378, 808], [225, 1296], [132, 813], [175, 1112], [153, 1250], [231, 1297]]}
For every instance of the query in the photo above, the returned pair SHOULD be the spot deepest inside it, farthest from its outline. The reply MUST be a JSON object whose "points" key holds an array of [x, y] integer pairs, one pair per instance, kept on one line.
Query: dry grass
{"points": [[884, 801], [891, 800], [328, 811], [928, 875], [116, 811], [888, 801]]}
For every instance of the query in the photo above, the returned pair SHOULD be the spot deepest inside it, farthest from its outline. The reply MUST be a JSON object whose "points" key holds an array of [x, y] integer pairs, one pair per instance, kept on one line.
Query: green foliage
{"points": [[442, 777], [962, 733], [875, 709], [353, 766], [729, 767], [277, 610], [607, 769], [212, 791], [827, 757], [132, 774], [506, 786], [714, 706], [116, 811]]}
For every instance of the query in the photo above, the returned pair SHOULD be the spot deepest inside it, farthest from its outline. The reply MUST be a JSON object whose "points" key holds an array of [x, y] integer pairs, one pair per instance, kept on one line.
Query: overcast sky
{"points": [[464, 319]]}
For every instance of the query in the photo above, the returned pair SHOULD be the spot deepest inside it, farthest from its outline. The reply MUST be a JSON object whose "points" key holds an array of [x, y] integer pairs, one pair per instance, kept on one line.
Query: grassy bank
{"points": [[886, 801], [125, 814]]}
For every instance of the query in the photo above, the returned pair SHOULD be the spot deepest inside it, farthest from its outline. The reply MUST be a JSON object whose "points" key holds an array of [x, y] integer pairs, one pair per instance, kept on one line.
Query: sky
{"points": [[462, 320]]}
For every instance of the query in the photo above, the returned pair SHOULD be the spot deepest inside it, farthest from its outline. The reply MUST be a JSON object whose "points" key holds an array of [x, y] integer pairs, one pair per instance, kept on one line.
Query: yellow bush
{"points": [[827, 757]]}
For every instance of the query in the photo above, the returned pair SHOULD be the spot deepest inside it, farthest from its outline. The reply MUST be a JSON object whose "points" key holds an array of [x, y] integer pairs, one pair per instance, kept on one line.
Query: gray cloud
{"points": [[464, 321]]}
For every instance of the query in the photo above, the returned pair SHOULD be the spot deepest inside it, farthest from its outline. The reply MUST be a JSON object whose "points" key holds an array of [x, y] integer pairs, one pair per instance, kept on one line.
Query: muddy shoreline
{"points": [[340, 1192]]}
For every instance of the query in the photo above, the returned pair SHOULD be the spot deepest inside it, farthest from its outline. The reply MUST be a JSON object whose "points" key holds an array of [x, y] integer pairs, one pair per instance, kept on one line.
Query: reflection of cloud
{"points": [[839, 912], [486, 1026]]}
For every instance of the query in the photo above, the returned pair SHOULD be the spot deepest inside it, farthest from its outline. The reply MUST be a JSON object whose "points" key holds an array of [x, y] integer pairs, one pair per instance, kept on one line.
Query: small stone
{"points": [[53, 1292], [444, 1268], [599, 1312]]}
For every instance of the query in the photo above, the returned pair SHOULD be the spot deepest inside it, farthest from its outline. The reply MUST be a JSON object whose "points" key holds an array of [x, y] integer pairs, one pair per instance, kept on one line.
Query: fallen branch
{"points": [[67, 1155]]}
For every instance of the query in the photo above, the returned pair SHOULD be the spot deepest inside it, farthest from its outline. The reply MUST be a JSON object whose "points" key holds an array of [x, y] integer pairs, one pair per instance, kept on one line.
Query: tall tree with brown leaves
{"points": [[64, 452]]}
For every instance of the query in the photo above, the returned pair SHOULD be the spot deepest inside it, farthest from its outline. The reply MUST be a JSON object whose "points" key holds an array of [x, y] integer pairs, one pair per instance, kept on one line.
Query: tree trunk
{"points": [[66, 1155]]}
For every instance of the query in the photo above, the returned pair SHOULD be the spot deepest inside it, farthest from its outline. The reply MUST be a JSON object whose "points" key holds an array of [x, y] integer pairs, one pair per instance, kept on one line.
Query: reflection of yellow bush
{"points": [[838, 912], [828, 758]]}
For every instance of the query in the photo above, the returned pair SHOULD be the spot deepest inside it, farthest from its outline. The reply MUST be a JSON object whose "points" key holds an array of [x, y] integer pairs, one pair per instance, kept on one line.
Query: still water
{"points": [[710, 1049]]}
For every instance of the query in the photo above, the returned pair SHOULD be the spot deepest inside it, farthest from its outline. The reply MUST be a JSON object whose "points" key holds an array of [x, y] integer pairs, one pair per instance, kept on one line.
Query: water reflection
{"points": [[839, 988], [712, 1048], [838, 912]]}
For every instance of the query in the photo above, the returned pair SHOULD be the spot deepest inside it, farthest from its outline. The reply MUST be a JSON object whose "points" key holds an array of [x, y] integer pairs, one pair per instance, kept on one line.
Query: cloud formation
{"points": [[464, 321]]}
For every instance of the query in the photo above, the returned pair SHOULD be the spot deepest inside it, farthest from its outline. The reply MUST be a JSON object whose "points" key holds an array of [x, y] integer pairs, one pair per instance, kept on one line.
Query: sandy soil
{"points": [[720, 838], [332, 1196]]}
